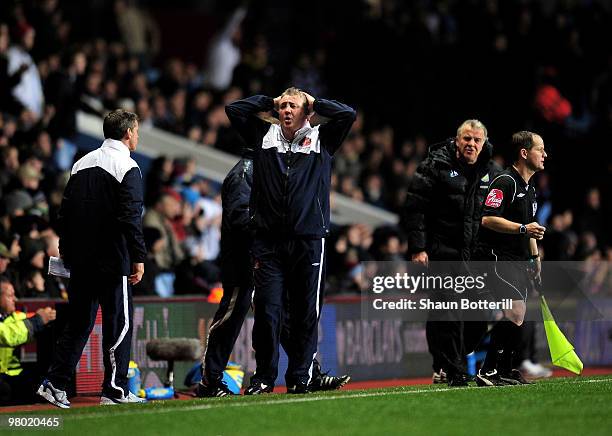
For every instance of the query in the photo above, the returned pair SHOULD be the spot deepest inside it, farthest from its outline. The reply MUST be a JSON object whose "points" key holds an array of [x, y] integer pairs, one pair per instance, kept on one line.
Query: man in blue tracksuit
{"points": [[237, 279], [101, 242], [289, 209]]}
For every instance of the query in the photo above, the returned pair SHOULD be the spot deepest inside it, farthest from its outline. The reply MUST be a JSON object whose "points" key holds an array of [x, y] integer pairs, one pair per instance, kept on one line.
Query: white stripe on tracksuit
{"points": [[228, 313], [126, 326], [318, 299]]}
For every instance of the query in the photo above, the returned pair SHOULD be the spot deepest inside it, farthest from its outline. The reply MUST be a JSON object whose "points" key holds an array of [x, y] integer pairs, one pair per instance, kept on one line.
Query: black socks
{"points": [[505, 338]]}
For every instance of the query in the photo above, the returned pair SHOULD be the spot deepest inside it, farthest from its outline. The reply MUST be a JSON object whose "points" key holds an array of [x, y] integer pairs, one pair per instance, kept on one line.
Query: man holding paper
{"points": [[102, 244]]}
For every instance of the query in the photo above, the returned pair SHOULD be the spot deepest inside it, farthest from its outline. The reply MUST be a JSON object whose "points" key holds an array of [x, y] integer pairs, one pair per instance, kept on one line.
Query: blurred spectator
{"points": [[10, 166], [373, 190], [349, 247], [388, 245], [5, 258], [18, 202], [592, 218], [204, 243], [544, 198], [91, 99], [307, 72], [155, 244], [32, 258], [587, 247], [139, 31], [8, 80], [560, 242], [158, 179], [166, 209], [34, 285], [29, 90], [224, 53], [63, 90]]}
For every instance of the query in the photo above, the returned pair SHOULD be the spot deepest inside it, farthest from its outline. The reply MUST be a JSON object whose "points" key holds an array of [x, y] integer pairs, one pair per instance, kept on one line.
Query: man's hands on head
{"points": [[47, 314], [137, 272], [310, 100]]}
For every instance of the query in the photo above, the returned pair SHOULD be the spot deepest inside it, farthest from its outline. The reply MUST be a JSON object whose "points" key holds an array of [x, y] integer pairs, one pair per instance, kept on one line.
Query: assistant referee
{"points": [[508, 239]]}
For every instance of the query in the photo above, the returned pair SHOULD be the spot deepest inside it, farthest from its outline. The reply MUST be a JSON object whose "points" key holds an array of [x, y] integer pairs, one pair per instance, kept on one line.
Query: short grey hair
{"points": [[473, 124]]}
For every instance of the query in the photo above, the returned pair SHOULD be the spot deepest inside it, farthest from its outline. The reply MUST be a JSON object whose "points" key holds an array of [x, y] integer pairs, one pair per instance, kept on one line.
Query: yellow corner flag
{"points": [[561, 351]]}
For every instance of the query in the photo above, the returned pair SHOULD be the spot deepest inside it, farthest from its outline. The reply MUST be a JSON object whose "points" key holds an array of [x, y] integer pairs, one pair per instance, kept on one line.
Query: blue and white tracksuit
{"points": [[100, 229], [290, 215]]}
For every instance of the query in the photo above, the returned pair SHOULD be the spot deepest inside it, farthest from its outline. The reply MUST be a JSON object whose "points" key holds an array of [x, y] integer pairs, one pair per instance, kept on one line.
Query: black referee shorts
{"points": [[506, 276]]}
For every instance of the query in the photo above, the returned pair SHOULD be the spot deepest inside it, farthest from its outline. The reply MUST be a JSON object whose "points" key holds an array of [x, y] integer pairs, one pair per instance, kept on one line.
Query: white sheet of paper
{"points": [[57, 267]]}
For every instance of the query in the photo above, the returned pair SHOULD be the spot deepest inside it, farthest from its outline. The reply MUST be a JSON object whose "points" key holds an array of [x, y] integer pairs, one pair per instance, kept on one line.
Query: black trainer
{"points": [[258, 388], [489, 378], [326, 382], [208, 390], [322, 381], [457, 380], [515, 378], [299, 388]]}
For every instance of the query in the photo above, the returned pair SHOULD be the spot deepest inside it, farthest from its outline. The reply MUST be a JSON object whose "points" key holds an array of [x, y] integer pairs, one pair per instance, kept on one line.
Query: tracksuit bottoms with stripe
{"points": [[230, 316], [87, 292], [287, 271]]}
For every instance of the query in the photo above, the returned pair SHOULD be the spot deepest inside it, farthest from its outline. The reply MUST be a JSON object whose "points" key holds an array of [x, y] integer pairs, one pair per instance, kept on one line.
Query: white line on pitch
{"points": [[225, 404], [305, 399]]}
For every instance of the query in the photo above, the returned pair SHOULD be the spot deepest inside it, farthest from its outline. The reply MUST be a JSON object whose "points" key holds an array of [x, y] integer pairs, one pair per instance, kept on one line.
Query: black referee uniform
{"points": [[512, 198]]}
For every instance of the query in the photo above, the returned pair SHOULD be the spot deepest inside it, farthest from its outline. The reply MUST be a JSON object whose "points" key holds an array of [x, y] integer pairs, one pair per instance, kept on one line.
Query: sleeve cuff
{"points": [[268, 103], [34, 326]]}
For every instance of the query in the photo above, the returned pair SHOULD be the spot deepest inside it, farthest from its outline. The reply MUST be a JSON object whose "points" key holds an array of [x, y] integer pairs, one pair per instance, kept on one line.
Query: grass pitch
{"points": [[562, 406]]}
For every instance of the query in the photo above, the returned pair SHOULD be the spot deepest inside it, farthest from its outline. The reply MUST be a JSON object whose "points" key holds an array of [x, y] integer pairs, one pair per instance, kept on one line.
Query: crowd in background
{"points": [[414, 71]]}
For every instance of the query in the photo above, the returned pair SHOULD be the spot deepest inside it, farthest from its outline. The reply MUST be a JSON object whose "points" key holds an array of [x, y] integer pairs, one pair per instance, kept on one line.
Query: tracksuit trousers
{"points": [[86, 292], [287, 269]]}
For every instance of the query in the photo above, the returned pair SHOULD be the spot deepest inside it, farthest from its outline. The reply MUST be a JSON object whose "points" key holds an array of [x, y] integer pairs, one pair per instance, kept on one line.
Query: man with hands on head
{"points": [[290, 216], [237, 279], [508, 239]]}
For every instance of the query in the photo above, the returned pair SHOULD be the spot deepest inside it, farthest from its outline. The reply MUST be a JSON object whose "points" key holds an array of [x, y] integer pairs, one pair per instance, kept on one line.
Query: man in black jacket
{"points": [[101, 241], [290, 214], [236, 276], [442, 218]]}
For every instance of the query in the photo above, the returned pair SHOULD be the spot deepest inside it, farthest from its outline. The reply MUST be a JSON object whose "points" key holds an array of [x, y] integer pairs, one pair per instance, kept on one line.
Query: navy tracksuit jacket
{"points": [[100, 229], [290, 216], [236, 270]]}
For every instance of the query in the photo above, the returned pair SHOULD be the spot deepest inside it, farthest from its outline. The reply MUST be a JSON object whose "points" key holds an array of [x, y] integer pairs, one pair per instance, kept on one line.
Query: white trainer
{"points": [[53, 395], [534, 370], [130, 399]]}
